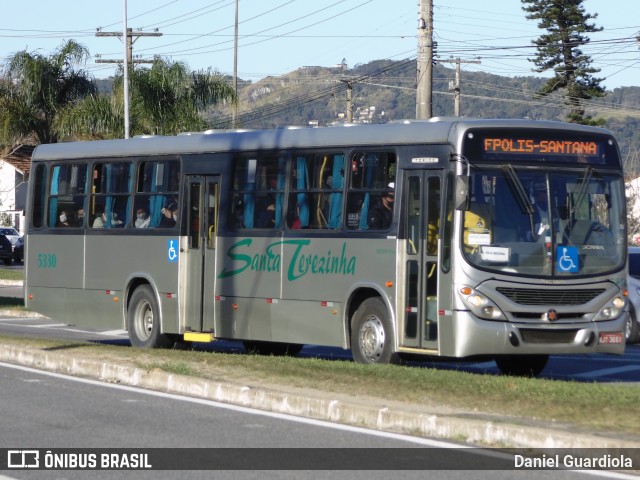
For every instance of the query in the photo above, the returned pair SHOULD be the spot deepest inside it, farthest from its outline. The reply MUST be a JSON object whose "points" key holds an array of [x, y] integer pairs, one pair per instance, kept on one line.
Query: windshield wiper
{"points": [[520, 193]]}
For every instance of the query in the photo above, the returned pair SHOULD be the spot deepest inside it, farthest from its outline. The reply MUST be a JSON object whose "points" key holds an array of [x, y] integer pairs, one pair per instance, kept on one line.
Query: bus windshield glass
{"points": [[550, 223]]}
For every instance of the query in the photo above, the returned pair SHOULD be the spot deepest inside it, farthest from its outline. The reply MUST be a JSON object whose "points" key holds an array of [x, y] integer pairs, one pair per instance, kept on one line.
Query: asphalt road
{"points": [[49, 411]]}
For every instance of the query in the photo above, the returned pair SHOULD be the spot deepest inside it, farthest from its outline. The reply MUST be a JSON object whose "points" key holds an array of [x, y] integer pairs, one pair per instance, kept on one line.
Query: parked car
{"points": [[632, 330], [6, 250], [18, 250], [14, 237]]}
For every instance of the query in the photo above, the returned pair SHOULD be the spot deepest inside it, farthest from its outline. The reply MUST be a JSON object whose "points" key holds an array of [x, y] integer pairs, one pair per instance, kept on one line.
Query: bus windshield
{"points": [[544, 223]]}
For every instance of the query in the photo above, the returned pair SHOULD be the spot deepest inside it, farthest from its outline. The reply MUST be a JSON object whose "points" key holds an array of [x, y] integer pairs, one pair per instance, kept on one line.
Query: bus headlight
{"points": [[613, 309], [479, 304]]}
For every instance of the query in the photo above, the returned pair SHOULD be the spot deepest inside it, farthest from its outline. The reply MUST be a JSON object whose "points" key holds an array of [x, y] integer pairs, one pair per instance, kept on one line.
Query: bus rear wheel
{"points": [[372, 334], [143, 320], [521, 365]]}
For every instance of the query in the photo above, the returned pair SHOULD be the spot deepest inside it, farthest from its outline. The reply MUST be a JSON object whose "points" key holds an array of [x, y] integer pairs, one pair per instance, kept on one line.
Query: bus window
{"points": [[111, 188], [67, 195], [316, 183], [372, 178], [258, 193], [39, 189], [157, 188]]}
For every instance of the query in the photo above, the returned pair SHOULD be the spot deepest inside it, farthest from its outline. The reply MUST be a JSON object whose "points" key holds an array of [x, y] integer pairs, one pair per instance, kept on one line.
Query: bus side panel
{"points": [[54, 274], [294, 289], [305, 322], [56, 260], [110, 265], [324, 273], [249, 267], [275, 320]]}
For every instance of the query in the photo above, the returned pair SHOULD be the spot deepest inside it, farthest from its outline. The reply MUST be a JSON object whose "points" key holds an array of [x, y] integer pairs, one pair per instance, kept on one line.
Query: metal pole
{"points": [[235, 69], [425, 60], [125, 42]]}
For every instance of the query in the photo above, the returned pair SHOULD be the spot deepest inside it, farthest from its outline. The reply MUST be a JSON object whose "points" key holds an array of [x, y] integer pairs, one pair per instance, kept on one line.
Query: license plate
{"points": [[611, 337]]}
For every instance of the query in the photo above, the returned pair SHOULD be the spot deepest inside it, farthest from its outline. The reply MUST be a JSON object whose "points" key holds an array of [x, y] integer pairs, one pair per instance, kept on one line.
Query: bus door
{"points": [[422, 192], [202, 228]]}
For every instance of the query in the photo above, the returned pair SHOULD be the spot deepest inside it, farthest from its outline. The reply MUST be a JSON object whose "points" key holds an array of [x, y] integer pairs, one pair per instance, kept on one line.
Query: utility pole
{"points": [[424, 82], [129, 44], [349, 101], [455, 87], [235, 70], [128, 60], [349, 83]]}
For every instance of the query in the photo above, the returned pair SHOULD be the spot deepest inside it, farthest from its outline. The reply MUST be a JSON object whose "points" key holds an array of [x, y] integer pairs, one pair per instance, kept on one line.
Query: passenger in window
{"points": [[64, 220], [266, 216], [169, 216], [142, 219], [381, 214], [238, 215], [294, 219], [101, 221], [80, 217]]}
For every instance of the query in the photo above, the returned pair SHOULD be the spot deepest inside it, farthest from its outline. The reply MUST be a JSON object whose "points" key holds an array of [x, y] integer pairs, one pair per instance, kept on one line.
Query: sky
{"points": [[278, 36]]}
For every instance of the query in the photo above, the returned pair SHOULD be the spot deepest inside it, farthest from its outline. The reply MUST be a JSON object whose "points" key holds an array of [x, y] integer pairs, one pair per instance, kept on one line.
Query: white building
{"points": [[14, 172]]}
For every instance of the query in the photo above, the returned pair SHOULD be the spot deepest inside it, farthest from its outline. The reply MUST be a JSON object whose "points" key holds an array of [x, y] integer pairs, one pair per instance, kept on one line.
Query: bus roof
{"points": [[437, 130]]}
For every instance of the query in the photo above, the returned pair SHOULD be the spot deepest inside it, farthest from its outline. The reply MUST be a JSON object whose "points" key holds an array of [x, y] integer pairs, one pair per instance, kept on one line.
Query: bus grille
{"points": [[557, 296], [548, 336]]}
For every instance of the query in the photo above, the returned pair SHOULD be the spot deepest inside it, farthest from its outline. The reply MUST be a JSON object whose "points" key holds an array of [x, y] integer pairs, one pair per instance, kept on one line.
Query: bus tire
{"points": [[521, 365], [143, 320], [277, 349], [372, 334], [631, 333]]}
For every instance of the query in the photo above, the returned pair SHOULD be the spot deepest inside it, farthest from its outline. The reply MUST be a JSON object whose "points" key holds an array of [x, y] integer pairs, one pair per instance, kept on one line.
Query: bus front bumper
{"points": [[475, 336]]}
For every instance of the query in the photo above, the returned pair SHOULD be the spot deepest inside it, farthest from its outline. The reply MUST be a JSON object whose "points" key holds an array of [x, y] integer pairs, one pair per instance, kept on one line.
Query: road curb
{"points": [[391, 419]]}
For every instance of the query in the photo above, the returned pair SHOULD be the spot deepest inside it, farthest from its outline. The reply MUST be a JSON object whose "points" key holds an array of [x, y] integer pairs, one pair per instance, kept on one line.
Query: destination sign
{"points": [[506, 145]]}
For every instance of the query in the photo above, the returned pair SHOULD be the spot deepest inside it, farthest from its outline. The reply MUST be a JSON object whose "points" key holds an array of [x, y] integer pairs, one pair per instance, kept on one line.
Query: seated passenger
{"points": [[381, 214], [142, 219], [64, 220], [101, 221], [169, 216]]}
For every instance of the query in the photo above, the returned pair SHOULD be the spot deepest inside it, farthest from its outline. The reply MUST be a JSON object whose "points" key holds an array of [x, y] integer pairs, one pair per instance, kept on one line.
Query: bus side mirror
{"points": [[462, 192]]}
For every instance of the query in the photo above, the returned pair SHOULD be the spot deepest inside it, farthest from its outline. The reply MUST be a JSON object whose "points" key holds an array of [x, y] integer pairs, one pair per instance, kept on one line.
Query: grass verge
{"points": [[9, 274], [592, 407]]}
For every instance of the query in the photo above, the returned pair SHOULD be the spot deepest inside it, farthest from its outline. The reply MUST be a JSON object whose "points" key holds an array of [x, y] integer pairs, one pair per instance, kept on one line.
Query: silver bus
{"points": [[459, 238]]}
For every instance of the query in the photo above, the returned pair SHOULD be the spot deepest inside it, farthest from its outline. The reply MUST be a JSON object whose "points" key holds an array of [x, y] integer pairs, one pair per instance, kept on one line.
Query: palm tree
{"points": [[35, 89], [169, 99], [166, 99]]}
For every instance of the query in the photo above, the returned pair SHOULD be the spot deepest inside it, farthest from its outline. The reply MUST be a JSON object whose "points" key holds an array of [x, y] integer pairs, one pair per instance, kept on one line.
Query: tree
{"points": [[36, 88], [166, 99], [559, 50]]}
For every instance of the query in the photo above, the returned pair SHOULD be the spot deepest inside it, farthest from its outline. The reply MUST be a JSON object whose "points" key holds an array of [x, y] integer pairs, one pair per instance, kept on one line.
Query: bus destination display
{"points": [[541, 147]]}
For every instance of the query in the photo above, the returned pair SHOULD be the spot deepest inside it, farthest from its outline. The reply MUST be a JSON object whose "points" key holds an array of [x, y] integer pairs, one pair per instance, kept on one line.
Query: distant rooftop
{"points": [[19, 157]]}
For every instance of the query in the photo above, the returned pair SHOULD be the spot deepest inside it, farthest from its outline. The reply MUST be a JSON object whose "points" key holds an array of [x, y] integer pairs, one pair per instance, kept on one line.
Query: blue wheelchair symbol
{"points": [[172, 250], [566, 259]]}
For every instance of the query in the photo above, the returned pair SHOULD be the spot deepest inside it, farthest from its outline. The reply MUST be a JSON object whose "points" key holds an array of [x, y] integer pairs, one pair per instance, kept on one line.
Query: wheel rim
{"points": [[372, 338], [627, 327], [144, 320]]}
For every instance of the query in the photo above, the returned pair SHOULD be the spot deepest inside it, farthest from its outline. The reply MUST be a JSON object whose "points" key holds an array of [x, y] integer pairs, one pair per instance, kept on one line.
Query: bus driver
{"points": [[381, 214]]}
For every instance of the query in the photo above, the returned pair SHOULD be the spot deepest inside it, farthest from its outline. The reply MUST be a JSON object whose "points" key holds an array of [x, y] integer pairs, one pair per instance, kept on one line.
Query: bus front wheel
{"points": [[372, 334], [521, 365], [143, 320]]}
